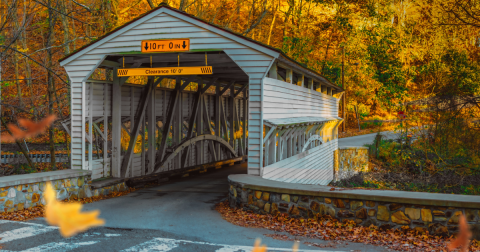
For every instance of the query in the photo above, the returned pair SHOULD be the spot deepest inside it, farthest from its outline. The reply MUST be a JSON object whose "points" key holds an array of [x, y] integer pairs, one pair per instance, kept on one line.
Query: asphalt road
{"points": [[175, 216], [365, 139]]}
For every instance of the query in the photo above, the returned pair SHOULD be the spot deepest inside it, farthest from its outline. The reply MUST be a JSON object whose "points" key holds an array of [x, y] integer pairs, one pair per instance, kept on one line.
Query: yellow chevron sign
{"points": [[164, 71]]}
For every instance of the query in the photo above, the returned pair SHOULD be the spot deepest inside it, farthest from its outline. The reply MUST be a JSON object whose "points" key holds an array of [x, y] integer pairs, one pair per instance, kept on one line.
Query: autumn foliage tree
{"points": [[395, 51]]}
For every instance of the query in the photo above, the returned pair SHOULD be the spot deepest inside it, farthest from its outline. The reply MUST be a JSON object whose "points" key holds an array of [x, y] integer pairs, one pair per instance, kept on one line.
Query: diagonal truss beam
{"points": [[209, 85], [187, 82], [226, 88], [269, 133], [166, 127], [139, 118], [240, 90], [196, 104]]}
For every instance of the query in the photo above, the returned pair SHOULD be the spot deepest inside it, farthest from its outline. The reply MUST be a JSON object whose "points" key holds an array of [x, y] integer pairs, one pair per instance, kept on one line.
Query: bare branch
{"points": [[128, 8], [66, 15], [40, 64], [256, 23], [62, 45], [84, 6], [151, 4]]}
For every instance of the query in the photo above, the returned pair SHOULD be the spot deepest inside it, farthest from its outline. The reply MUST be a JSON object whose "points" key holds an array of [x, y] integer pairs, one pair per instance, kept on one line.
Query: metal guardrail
{"points": [[36, 158]]}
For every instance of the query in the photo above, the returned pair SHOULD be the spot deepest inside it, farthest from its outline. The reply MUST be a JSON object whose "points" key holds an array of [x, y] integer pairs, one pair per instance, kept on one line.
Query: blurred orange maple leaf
{"points": [[463, 238], [67, 216], [257, 247], [263, 248], [33, 128]]}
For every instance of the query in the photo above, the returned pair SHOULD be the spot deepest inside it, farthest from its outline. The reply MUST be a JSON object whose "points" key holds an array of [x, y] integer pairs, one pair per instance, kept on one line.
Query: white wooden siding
{"points": [[102, 93], [98, 168], [284, 100], [314, 166], [252, 58]]}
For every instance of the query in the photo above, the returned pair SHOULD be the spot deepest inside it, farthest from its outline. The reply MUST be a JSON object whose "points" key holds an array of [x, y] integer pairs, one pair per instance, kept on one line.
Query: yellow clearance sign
{"points": [[170, 45], [164, 71]]}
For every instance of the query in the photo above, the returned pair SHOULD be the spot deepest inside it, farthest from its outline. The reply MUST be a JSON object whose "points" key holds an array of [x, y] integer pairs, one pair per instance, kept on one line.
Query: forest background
{"points": [[395, 53]]}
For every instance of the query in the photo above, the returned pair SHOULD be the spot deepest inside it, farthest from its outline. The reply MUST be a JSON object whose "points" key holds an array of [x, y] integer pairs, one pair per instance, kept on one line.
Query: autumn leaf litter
{"points": [[329, 229]]}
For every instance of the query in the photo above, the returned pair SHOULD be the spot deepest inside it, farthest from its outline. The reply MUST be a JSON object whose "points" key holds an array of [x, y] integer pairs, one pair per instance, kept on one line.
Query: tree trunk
{"points": [[19, 144], [66, 31], [287, 15], [15, 58], [28, 70], [51, 24], [17, 77], [271, 26], [74, 33]]}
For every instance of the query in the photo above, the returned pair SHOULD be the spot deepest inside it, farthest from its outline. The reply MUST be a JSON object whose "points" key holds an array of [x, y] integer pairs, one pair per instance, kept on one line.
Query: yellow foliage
{"points": [[67, 216], [125, 140]]}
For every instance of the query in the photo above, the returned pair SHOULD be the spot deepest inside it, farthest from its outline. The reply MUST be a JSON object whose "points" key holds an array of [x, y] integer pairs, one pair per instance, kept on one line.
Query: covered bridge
{"points": [[189, 89]]}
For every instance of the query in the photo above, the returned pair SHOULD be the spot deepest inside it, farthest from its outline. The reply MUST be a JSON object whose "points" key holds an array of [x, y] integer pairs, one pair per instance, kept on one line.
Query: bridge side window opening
{"points": [[324, 89], [297, 79], [317, 87], [281, 73]]}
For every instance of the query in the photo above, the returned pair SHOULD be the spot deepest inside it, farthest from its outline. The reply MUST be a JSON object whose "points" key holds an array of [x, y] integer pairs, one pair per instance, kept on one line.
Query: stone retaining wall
{"points": [[349, 161], [19, 192], [436, 219]]}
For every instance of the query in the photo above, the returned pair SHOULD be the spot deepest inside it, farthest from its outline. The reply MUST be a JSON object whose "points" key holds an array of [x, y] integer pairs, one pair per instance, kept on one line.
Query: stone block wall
{"points": [[21, 194], [120, 187], [437, 220], [349, 161]]}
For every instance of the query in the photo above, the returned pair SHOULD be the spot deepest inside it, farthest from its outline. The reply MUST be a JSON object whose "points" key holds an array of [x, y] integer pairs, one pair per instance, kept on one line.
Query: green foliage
{"points": [[374, 124], [298, 49], [333, 72], [462, 72], [5, 84], [382, 53]]}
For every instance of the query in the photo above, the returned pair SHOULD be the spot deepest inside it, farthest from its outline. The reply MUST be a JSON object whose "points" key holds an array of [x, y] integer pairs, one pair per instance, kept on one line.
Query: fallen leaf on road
{"points": [[279, 237]]}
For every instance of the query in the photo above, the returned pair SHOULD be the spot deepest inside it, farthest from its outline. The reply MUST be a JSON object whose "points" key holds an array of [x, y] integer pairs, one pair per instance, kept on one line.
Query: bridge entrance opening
{"points": [[165, 113]]}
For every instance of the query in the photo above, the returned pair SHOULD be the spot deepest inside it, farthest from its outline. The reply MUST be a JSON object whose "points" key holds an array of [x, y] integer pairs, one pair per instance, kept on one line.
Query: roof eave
{"points": [[283, 58]]}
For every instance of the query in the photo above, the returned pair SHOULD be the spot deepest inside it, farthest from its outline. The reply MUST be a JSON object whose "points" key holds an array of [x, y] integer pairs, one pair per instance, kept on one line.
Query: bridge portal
{"points": [[168, 92]]}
